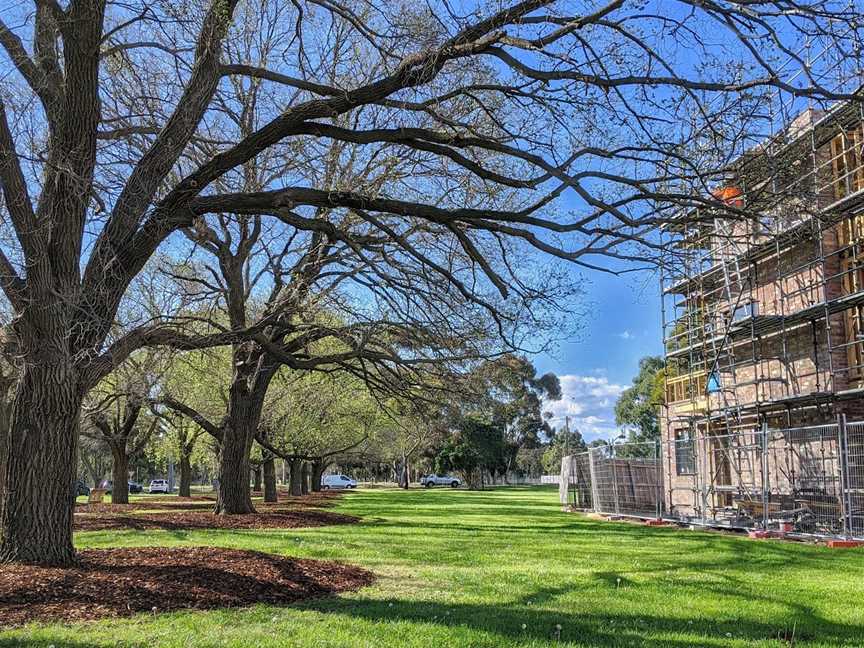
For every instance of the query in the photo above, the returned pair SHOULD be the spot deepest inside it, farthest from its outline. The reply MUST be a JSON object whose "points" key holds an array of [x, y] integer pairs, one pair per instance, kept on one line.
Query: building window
{"points": [[685, 455], [852, 270], [846, 163], [855, 341], [745, 311], [852, 230]]}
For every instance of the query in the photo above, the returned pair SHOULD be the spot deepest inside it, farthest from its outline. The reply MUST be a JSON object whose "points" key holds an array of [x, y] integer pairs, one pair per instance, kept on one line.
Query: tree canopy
{"points": [[638, 406]]}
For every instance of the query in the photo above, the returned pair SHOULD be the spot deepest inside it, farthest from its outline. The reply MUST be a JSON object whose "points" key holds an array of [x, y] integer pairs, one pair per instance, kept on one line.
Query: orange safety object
{"points": [[732, 196]]}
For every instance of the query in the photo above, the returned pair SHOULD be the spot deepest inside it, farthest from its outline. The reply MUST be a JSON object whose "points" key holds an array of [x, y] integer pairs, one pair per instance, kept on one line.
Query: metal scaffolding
{"points": [[763, 326], [804, 481]]}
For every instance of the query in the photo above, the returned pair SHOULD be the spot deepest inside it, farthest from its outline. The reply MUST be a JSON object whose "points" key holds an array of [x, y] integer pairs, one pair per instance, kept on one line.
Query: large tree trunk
{"points": [[256, 479], [304, 478], [245, 402], [295, 478], [36, 525], [404, 478], [234, 493], [185, 476], [269, 468], [318, 468], [5, 415], [119, 475]]}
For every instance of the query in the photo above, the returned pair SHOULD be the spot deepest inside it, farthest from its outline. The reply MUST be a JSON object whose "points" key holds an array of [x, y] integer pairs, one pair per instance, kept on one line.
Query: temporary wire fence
{"points": [[805, 481]]}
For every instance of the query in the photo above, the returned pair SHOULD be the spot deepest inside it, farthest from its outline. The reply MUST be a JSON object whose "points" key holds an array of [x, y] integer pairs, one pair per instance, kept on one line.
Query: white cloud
{"points": [[626, 335], [589, 401]]}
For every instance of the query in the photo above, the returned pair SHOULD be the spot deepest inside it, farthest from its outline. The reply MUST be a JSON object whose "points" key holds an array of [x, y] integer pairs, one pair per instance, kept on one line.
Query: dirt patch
{"points": [[123, 582], [190, 520]]}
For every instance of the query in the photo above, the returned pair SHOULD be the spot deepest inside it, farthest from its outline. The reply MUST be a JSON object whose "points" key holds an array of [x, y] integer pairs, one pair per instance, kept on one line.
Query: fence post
{"points": [[702, 447], [766, 486], [843, 461], [614, 479], [658, 479], [595, 500]]}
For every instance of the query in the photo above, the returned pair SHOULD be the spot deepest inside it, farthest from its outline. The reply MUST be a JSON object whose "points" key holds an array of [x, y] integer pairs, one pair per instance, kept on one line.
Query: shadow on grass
{"points": [[518, 623]]}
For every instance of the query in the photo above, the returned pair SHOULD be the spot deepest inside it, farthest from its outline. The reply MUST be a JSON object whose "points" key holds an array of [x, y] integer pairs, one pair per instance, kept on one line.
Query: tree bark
{"points": [[119, 475], [403, 473], [269, 469], [304, 478], [295, 477], [36, 525], [234, 493], [5, 414], [245, 401], [256, 479], [318, 468], [185, 476]]}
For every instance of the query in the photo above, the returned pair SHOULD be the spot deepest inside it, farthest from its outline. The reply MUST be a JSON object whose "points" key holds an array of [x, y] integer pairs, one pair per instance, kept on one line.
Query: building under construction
{"points": [[763, 321]]}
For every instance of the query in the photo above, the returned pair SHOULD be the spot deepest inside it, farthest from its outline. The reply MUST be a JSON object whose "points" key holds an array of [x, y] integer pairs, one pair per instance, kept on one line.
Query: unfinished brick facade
{"points": [[763, 331]]}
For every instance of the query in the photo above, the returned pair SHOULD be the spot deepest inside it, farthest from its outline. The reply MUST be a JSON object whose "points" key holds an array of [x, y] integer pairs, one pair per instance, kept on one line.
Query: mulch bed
{"points": [[123, 582], [176, 505], [265, 518], [202, 503]]}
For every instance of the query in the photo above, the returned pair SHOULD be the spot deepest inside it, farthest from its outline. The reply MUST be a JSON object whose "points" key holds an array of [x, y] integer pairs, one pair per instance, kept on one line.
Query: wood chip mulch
{"points": [[265, 518], [123, 582], [323, 499], [178, 505]]}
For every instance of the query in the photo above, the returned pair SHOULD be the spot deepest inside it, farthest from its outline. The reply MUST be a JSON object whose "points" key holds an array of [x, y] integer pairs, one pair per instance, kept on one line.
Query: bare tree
{"points": [[315, 289], [125, 436], [521, 102], [117, 413]]}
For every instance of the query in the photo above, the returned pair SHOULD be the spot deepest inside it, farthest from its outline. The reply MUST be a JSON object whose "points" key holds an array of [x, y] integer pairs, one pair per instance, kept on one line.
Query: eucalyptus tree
{"points": [[510, 395], [502, 109]]}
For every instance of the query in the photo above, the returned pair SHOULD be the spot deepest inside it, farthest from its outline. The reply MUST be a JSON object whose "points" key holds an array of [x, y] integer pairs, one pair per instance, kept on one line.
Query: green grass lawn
{"points": [[507, 568]]}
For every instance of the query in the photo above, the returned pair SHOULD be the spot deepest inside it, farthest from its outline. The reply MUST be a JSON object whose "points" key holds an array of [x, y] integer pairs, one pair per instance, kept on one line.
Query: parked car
{"points": [[337, 481], [439, 480], [80, 488], [159, 486], [134, 487]]}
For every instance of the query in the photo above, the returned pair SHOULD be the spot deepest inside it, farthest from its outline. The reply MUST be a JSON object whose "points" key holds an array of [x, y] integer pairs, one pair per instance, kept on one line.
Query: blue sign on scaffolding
{"points": [[713, 384]]}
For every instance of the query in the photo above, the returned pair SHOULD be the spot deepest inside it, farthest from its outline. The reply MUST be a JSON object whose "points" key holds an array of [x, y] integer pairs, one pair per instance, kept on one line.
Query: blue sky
{"points": [[622, 324]]}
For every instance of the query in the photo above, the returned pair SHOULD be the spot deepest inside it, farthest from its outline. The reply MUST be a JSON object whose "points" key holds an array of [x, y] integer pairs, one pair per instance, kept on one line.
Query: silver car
{"points": [[159, 486]]}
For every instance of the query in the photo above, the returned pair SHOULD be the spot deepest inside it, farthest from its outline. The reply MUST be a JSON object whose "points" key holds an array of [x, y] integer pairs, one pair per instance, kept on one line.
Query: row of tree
{"points": [[156, 410]]}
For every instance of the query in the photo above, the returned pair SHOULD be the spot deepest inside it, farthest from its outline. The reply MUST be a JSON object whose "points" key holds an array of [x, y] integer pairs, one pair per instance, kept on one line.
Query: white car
{"points": [[159, 486], [439, 480], [337, 481]]}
